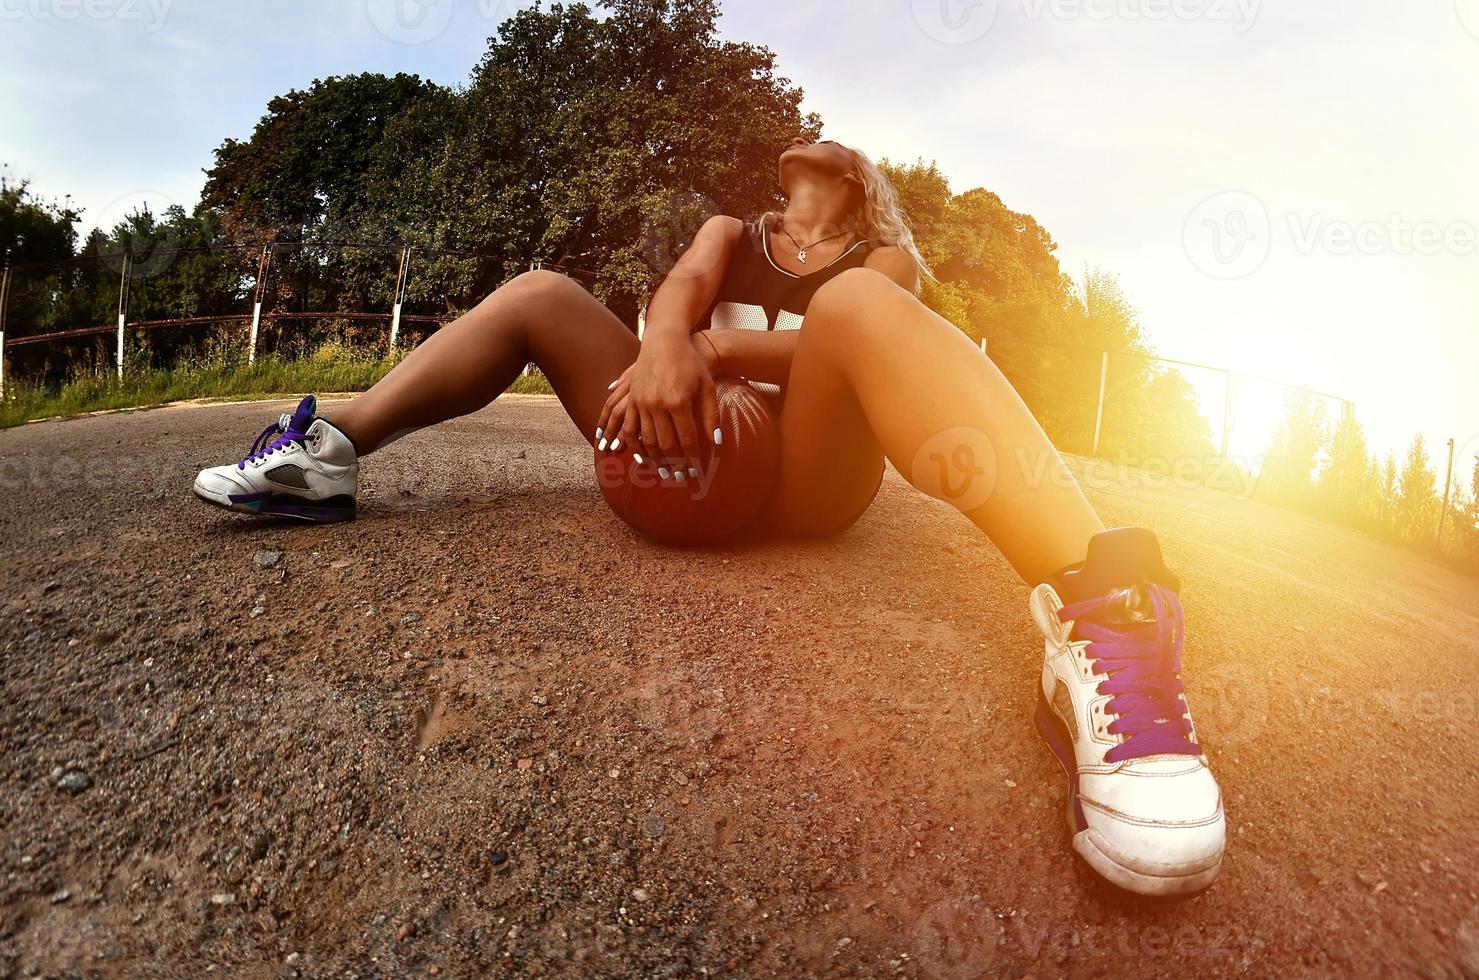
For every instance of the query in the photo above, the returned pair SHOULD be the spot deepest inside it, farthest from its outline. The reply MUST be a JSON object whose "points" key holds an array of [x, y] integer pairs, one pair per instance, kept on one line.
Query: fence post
{"points": [[123, 280], [1099, 413], [401, 279], [4, 306], [1447, 486], [1229, 404], [263, 264]]}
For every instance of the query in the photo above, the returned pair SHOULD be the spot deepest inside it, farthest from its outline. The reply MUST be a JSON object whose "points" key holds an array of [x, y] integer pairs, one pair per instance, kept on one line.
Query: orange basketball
{"points": [[734, 480]]}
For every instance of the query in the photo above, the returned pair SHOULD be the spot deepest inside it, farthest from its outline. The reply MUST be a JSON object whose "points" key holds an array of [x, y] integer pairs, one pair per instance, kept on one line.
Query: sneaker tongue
{"points": [[1119, 559], [303, 417]]}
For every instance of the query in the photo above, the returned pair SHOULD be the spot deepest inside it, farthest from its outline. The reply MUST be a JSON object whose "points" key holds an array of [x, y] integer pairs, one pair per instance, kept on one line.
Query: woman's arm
{"points": [[692, 284], [766, 355], [661, 396]]}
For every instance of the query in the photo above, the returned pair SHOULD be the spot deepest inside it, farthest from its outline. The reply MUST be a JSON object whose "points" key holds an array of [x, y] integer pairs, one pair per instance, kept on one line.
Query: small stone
{"points": [[257, 611], [640, 895], [51, 586], [540, 700], [74, 782], [434, 970], [680, 777], [844, 942], [223, 898], [293, 958], [411, 618], [268, 559], [525, 763], [406, 931], [60, 897], [521, 454], [654, 828], [498, 857]]}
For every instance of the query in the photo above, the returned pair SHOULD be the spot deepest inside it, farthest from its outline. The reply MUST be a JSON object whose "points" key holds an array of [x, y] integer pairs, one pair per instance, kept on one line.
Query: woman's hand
{"points": [[663, 404]]}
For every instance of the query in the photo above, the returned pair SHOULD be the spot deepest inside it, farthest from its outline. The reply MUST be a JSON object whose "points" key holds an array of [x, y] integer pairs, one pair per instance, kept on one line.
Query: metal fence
{"points": [[1226, 398], [257, 311]]}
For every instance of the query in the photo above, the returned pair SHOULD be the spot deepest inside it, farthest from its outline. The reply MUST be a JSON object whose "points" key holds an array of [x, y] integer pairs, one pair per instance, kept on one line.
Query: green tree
{"points": [[1288, 470], [33, 229], [1417, 495], [1340, 492]]}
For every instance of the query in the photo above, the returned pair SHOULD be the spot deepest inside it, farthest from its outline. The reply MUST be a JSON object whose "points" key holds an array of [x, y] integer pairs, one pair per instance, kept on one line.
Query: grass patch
{"points": [[330, 368]]}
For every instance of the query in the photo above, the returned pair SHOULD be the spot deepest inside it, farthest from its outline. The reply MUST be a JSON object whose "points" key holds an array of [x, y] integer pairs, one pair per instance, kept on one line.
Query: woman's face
{"points": [[827, 157]]}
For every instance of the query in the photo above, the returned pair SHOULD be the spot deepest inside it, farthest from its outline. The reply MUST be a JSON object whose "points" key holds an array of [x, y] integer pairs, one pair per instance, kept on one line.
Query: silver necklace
{"points": [[801, 249]]}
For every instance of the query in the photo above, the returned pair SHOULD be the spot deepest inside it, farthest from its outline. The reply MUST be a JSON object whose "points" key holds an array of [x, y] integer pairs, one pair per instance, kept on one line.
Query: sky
{"points": [[1285, 189]]}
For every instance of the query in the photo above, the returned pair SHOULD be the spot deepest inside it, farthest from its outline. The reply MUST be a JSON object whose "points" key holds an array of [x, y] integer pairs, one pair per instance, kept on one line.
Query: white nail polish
{"points": [[616, 444], [678, 475], [693, 472], [638, 458], [599, 433], [718, 438], [662, 471], [612, 385], [601, 445]]}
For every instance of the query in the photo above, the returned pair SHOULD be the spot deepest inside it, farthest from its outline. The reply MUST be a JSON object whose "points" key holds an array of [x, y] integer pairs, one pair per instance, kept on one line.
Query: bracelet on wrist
{"points": [[718, 361]]}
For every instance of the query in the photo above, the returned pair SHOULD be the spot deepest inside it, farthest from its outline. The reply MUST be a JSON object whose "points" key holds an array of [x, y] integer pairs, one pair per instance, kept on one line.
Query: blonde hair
{"points": [[884, 222]]}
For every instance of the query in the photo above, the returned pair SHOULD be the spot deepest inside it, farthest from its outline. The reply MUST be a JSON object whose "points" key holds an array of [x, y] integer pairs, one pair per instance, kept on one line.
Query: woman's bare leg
{"points": [[877, 373], [542, 317]]}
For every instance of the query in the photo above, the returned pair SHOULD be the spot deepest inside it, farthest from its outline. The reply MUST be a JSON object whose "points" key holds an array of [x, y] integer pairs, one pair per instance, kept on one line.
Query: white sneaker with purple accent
{"points": [[301, 466], [1143, 808]]}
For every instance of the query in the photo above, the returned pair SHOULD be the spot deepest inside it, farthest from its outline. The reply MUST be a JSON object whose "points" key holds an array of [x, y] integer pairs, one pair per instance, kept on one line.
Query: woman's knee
{"points": [[847, 303], [541, 287]]}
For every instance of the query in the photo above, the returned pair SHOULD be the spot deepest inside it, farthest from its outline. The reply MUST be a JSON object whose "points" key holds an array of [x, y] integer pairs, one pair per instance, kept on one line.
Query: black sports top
{"points": [[757, 294]]}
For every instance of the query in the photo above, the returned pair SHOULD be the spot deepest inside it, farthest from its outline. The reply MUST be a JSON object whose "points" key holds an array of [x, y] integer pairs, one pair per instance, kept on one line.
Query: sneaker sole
{"points": [[1085, 841], [267, 505]]}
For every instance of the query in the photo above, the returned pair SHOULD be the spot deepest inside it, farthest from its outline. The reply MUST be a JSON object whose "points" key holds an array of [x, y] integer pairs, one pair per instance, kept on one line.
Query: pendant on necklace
{"points": [[801, 256]]}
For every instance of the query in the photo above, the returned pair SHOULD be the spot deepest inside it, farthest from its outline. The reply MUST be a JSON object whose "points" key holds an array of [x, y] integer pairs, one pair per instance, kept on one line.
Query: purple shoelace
{"points": [[266, 445], [1141, 664]]}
